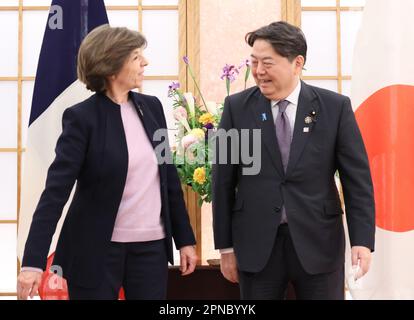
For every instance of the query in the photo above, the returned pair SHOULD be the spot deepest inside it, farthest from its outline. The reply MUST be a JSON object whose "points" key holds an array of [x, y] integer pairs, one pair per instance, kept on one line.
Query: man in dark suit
{"points": [[285, 222]]}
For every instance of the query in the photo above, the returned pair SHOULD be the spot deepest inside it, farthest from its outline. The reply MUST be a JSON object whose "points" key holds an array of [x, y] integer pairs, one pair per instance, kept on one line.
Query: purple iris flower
{"points": [[172, 87], [208, 126], [245, 63], [229, 72]]}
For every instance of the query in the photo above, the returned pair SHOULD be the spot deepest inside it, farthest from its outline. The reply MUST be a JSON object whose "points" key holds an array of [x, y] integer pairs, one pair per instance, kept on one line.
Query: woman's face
{"points": [[132, 72]]}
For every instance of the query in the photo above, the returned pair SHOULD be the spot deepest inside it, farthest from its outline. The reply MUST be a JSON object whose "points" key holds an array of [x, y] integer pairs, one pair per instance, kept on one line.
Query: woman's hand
{"points": [[28, 283], [188, 259]]}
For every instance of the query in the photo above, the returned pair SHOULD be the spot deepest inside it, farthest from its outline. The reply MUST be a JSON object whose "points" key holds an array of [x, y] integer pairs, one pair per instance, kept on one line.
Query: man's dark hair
{"points": [[286, 39]]}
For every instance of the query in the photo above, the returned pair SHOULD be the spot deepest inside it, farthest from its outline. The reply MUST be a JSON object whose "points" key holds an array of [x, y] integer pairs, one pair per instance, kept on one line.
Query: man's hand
{"points": [[28, 283], [363, 256], [188, 260], [228, 267]]}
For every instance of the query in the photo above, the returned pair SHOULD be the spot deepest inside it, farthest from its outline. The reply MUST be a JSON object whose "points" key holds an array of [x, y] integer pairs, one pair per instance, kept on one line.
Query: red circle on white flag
{"points": [[386, 120]]}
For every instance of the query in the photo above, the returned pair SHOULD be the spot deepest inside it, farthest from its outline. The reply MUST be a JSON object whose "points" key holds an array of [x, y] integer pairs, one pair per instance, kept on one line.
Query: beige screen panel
{"points": [[8, 255], [9, 3], [322, 48], [36, 2], [8, 186], [124, 18], [159, 2], [161, 31], [27, 94], [8, 114], [159, 88], [121, 2], [318, 3], [353, 3], [9, 20], [350, 23], [331, 27], [34, 24]]}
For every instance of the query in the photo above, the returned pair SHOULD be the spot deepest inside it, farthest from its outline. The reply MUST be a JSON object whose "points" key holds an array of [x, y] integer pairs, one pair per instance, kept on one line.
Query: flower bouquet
{"points": [[196, 125]]}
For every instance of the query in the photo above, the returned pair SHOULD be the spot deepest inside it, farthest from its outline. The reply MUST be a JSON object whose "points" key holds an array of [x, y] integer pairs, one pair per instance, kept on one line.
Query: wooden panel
{"points": [[8, 149], [8, 294], [291, 11], [189, 45], [140, 16], [182, 46], [193, 43], [8, 221]]}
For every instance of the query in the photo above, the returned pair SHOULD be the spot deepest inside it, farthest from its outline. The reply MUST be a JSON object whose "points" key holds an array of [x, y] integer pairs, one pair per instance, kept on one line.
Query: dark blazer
{"points": [[247, 209], [92, 151]]}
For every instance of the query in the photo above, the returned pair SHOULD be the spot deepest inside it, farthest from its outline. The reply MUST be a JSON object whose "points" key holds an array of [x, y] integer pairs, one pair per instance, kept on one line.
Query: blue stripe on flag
{"points": [[56, 69]]}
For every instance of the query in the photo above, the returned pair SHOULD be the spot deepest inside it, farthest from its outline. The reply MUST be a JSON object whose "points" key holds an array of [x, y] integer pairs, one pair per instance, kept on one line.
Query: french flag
{"points": [[383, 98], [56, 88]]}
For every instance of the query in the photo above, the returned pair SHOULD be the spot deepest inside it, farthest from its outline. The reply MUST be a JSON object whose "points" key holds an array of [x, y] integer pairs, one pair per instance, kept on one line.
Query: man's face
{"points": [[275, 75]]}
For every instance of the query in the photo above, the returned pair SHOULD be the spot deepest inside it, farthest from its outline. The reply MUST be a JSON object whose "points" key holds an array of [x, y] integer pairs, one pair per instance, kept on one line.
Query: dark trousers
{"points": [[141, 268], [284, 266]]}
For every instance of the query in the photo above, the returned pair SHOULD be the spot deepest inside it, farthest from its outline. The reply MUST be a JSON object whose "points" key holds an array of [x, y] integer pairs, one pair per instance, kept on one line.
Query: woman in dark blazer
{"points": [[127, 207]]}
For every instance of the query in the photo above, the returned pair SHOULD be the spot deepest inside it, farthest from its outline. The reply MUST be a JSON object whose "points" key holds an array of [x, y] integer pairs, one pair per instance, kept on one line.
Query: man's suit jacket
{"points": [[247, 209], [92, 151]]}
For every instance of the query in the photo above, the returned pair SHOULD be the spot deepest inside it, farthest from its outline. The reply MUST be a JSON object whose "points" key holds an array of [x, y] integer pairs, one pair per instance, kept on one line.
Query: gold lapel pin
{"points": [[308, 120]]}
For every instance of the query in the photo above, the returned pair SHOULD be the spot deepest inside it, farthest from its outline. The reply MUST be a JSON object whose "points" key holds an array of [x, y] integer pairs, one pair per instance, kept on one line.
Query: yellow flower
{"points": [[199, 133], [206, 118], [199, 175]]}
